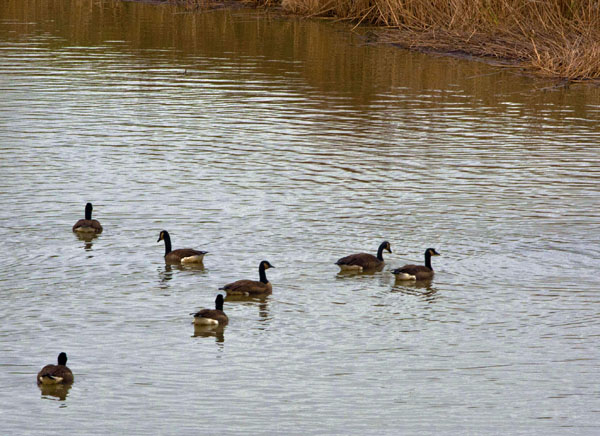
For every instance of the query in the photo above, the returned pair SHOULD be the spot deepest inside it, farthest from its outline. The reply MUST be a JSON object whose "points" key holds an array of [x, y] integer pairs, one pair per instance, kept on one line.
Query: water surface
{"points": [[260, 137]]}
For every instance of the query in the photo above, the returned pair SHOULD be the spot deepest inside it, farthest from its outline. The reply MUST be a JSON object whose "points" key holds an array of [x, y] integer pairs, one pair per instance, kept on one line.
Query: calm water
{"points": [[257, 137]]}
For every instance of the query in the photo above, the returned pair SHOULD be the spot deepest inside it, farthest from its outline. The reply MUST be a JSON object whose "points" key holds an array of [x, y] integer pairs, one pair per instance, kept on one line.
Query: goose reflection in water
{"points": [[87, 238], [207, 331], [421, 289], [57, 391], [251, 300], [165, 274], [345, 273], [190, 267]]}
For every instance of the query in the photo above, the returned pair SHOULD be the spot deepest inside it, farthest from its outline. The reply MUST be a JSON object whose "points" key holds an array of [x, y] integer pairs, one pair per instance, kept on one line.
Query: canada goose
{"points": [[362, 261], [417, 272], [56, 374], [212, 317], [181, 255], [250, 287], [88, 225]]}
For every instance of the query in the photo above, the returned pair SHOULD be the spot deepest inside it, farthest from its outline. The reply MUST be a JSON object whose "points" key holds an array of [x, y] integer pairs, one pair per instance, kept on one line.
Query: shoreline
{"points": [[568, 53]]}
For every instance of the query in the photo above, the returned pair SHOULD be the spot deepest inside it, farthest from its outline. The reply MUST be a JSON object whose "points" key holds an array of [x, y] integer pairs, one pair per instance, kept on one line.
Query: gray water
{"points": [[262, 137]]}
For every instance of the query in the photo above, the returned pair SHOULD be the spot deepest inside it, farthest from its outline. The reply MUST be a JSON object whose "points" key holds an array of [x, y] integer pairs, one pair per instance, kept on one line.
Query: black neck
{"points": [[380, 252], [219, 304], [428, 260], [167, 239], [88, 212], [261, 273], [62, 359]]}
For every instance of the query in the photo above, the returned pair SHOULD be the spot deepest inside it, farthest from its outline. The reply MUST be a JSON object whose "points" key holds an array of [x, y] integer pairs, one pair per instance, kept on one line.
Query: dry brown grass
{"points": [[217, 4], [558, 38]]}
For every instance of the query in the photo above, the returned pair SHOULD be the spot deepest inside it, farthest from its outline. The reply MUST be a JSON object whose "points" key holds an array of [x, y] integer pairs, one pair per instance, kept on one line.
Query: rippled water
{"points": [[259, 137]]}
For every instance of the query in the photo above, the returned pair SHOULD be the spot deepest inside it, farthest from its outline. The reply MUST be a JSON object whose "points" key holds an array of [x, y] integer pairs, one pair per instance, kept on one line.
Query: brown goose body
{"points": [[364, 261], [214, 316], [56, 374], [88, 225], [181, 255], [417, 272], [185, 255], [247, 287], [251, 287]]}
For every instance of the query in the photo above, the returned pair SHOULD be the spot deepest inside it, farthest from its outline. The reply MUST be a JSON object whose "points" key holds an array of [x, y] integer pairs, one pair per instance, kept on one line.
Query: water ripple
{"points": [[251, 154]]}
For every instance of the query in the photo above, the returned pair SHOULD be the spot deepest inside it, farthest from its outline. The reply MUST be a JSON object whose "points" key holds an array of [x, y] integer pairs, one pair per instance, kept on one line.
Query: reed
{"points": [[558, 38]]}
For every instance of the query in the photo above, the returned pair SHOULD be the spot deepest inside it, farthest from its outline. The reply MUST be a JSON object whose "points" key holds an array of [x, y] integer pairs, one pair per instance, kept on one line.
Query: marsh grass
{"points": [[556, 38]]}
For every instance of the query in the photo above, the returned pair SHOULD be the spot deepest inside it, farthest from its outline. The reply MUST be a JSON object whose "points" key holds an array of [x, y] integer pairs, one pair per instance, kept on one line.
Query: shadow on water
{"points": [[59, 392]]}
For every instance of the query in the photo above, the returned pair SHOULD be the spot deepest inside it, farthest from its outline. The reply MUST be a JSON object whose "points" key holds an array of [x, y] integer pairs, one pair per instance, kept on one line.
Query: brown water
{"points": [[258, 137]]}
